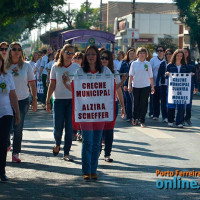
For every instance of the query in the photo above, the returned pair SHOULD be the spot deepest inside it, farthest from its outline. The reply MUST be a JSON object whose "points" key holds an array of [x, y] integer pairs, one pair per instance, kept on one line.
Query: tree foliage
{"points": [[167, 42], [190, 15], [81, 21]]}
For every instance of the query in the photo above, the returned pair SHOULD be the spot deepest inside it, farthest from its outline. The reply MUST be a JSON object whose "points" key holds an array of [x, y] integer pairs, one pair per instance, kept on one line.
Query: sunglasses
{"points": [[78, 58], [159, 50], [16, 49], [104, 58], [3, 49], [168, 54], [69, 53]]}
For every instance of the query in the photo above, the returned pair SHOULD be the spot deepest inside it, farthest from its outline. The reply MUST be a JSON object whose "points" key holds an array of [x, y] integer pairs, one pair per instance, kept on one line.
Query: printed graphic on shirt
{"points": [[146, 67], [15, 71], [3, 87]]}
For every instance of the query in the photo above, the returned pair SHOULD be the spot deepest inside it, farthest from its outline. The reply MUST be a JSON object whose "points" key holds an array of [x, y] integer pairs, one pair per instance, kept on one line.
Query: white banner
{"points": [[94, 98], [179, 91]]}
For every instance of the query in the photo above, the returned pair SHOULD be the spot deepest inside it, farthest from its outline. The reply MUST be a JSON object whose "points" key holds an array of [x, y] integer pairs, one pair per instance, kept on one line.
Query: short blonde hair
{"points": [[141, 49]]}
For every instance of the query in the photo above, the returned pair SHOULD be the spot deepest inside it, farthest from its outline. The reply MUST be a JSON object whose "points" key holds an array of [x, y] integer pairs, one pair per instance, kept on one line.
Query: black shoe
{"points": [[3, 177], [188, 122]]}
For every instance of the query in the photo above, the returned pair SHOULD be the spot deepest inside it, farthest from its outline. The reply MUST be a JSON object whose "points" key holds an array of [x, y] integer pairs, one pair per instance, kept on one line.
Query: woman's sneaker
{"points": [[170, 124], [15, 158], [180, 125]]}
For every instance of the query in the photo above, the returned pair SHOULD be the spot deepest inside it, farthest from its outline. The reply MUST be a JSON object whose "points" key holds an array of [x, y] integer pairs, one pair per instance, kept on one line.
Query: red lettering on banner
{"points": [[94, 115], [78, 93], [83, 85], [104, 84]]}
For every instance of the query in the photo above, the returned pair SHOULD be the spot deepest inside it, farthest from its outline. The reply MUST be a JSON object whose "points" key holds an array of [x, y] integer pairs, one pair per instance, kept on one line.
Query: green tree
{"points": [[190, 15], [167, 42], [92, 19]]}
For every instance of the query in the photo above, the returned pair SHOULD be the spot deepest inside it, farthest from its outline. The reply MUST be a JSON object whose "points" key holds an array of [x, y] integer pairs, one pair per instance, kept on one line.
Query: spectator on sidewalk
{"points": [[8, 104], [23, 76]]}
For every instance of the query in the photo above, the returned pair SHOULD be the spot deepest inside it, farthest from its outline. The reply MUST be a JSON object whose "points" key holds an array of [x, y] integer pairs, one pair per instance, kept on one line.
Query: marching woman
{"points": [[107, 60], [8, 104], [162, 81], [177, 65], [34, 60], [4, 49], [194, 84], [91, 138], [125, 67], [23, 75], [62, 107], [78, 58], [140, 79]]}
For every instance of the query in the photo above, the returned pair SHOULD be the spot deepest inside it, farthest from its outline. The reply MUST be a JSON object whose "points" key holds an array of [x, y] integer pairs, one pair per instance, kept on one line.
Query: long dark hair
{"points": [[188, 59], [2, 65], [127, 59], [86, 67], [173, 58], [110, 60], [168, 50]]}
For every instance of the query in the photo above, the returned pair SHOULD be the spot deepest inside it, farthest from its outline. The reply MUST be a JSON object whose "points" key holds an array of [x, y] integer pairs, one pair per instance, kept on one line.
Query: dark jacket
{"points": [[171, 68], [125, 67], [161, 73]]}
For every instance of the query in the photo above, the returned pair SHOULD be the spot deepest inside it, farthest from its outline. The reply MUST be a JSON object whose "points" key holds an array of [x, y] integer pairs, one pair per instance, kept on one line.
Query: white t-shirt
{"points": [[61, 92], [141, 72], [37, 66], [50, 64], [155, 64], [44, 63], [32, 63], [179, 68], [6, 84], [21, 78]]}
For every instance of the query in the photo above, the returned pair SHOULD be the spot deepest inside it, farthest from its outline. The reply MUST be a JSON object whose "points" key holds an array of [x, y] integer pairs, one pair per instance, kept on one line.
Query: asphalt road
{"points": [[137, 153]]}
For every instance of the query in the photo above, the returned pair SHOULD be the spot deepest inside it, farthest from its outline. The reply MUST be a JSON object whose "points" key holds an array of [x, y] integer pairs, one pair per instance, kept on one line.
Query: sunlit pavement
{"points": [[137, 153]]}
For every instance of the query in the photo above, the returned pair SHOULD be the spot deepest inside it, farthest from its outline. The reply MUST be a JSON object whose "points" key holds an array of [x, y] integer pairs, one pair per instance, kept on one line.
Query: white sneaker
{"points": [[170, 124], [180, 126], [155, 118], [165, 120]]}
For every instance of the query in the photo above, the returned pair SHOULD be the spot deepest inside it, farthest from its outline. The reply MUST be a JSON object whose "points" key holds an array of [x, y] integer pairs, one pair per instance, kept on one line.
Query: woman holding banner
{"points": [[62, 108], [92, 132], [177, 65], [140, 80], [107, 60]]}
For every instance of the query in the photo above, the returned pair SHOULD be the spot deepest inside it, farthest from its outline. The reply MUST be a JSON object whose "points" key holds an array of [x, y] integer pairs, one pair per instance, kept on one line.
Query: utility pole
{"points": [[86, 17], [133, 20], [100, 21]]}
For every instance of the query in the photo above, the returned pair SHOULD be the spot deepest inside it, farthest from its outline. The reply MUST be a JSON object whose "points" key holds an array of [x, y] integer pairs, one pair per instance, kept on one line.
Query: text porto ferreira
{"points": [[177, 182]]}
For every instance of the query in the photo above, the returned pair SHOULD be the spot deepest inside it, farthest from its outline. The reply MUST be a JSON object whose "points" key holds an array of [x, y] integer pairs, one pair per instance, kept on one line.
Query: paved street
{"points": [[137, 153]]}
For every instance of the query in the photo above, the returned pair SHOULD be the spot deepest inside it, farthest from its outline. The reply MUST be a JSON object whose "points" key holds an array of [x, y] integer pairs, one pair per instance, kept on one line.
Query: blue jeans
{"points": [[163, 96], [108, 137], [90, 150], [62, 117], [17, 139]]}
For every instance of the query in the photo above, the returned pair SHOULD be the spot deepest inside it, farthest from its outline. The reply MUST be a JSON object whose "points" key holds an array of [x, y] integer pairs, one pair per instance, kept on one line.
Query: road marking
{"points": [[154, 133]]}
